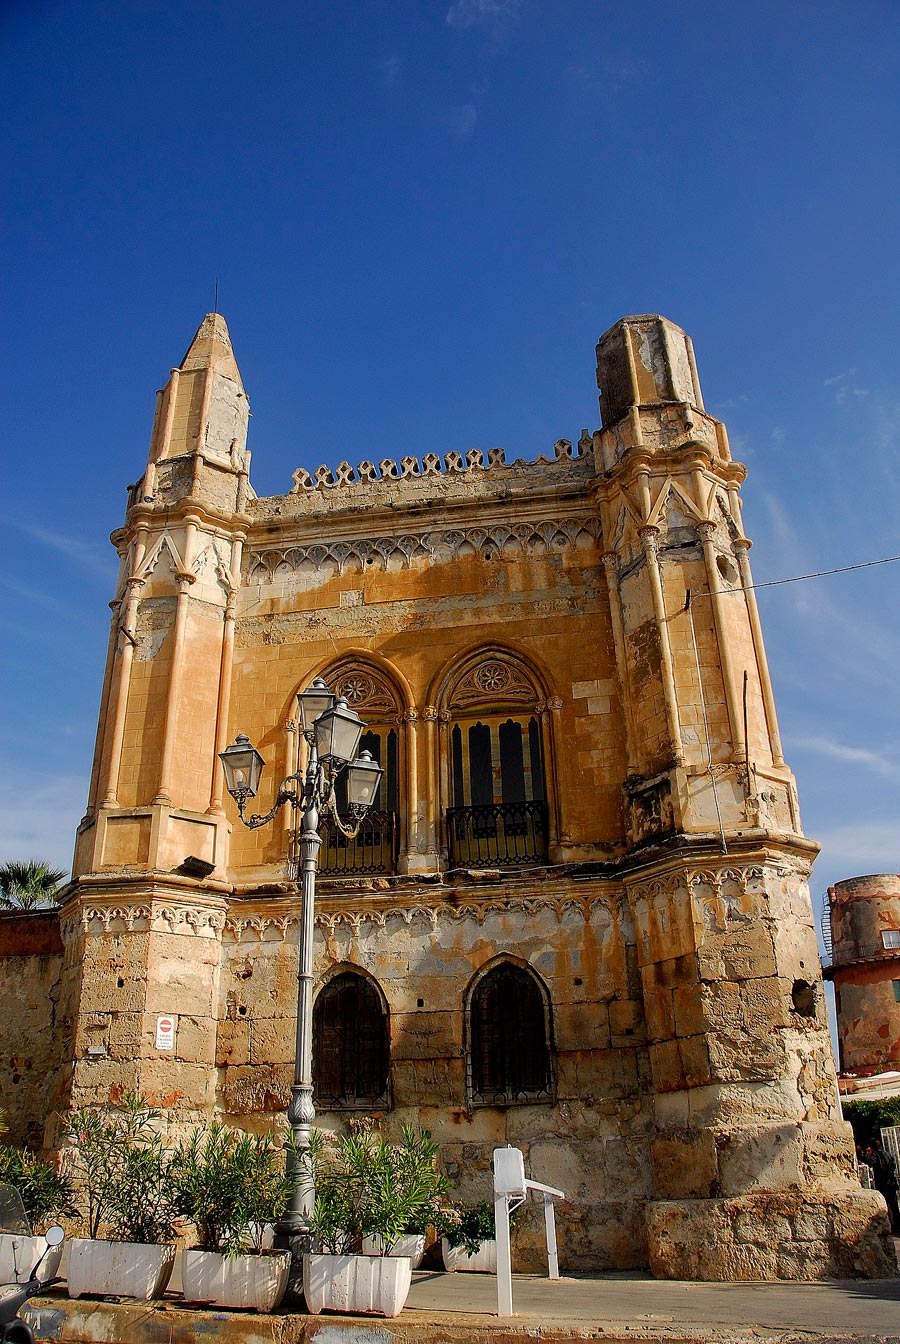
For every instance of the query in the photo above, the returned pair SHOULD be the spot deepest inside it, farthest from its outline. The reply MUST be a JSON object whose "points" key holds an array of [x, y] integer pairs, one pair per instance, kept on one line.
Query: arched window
{"points": [[509, 1038], [350, 1045], [376, 847], [498, 811]]}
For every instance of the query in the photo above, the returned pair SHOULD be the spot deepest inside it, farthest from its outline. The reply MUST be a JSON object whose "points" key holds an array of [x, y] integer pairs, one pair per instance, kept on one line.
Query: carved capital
{"points": [[650, 538], [707, 530]]}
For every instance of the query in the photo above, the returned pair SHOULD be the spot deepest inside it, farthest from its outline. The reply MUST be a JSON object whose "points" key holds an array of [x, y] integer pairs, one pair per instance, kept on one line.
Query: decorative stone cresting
{"points": [[324, 478]]}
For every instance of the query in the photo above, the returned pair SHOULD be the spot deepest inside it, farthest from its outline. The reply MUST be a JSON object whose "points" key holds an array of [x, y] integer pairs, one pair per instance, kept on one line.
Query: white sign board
{"points": [[509, 1171], [165, 1033]]}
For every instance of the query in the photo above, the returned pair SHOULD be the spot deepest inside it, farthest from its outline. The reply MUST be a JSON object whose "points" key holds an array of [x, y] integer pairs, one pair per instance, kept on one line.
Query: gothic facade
{"points": [[578, 920]]}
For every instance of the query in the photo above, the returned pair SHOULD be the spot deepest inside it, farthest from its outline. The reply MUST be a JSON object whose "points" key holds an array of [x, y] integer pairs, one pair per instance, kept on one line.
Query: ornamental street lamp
{"points": [[332, 730]]}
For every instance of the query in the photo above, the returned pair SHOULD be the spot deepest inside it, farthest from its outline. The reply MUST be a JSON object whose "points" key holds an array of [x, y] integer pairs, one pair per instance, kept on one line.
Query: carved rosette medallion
{"points": [[496, 680]]}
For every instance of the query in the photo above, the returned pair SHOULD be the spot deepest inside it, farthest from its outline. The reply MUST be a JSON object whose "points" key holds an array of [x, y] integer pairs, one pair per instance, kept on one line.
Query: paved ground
{"points": [[461, 1309], [641, 1304]]}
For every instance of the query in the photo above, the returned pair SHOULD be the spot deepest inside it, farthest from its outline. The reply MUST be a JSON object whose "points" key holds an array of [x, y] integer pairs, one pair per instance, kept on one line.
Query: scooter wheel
{"points": [[17, 1332]]}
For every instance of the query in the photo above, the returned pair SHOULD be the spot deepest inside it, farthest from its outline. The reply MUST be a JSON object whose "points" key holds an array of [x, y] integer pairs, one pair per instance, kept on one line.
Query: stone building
{"points": [[579, 920], [862, 927]]}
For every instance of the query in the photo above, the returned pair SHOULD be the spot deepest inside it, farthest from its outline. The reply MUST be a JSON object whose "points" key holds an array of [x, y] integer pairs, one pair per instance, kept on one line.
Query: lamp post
{"points": [[332, 731]]}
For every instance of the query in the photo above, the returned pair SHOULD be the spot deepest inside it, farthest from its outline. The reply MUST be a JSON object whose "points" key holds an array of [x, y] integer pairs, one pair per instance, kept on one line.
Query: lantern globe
{"points": [[243, 766], [315, 700], [363, 780], [338, 731]]}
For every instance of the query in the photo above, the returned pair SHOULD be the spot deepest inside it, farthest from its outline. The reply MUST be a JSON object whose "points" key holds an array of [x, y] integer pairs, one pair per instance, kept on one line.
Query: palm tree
{"points": [[29, 886]]}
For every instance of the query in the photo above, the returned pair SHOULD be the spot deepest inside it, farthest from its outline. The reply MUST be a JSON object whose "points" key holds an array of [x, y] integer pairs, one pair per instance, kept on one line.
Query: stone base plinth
{"points": [[839, 1233]]}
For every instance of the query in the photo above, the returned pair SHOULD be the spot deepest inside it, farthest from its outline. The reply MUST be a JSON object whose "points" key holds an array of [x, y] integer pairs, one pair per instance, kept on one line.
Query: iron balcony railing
{"points": [[372, 850], [497, 835]]}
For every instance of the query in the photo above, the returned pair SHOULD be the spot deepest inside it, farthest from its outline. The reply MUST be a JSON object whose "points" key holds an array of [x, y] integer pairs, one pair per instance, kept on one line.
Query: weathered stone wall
{"points": [[36, 1049], [424, 948]]}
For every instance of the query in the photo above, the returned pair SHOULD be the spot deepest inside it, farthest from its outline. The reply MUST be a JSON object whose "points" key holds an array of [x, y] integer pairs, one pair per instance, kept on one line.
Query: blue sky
{"points": [[422, 216]]}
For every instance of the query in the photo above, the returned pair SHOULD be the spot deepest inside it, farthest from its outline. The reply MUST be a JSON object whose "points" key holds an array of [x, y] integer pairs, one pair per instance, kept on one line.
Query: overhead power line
{"points": [[821, 573]]}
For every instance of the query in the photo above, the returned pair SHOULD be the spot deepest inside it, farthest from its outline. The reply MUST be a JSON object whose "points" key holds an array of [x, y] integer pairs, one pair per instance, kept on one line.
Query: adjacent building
{"points": [[862, 934]]}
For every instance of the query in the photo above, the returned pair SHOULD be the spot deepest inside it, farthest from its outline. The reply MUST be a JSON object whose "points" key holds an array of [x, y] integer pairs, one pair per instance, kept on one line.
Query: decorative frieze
{"points": [[164, 918], [274, 926], [524, 539]]}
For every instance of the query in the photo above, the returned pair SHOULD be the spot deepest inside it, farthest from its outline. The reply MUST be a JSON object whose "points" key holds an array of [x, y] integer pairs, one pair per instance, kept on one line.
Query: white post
{"points": [[550, 1226], [504, 1259]]}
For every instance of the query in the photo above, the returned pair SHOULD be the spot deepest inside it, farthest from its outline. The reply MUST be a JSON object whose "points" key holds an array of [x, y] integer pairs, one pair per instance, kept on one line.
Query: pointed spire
{"points": [[211, 346], [203, 407]]}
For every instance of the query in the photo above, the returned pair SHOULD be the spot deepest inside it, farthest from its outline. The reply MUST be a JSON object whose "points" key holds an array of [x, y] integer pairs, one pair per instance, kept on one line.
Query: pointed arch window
{"points": [[509, 1028], [376, 847], [350, 1045], [498, 812]]}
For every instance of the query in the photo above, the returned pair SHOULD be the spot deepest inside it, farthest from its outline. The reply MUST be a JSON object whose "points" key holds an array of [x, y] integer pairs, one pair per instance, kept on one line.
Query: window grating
{"points": [[509, 1056], [350, 1046]]}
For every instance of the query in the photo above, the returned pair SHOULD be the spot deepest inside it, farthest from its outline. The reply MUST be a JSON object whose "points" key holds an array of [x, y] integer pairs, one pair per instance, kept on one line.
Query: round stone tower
{"points": [[864, 918]]}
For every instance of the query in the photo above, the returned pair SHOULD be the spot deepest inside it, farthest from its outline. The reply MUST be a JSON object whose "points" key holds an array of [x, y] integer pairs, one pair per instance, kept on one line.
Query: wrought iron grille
{"points": [[497, 835], [372, 850], [350, 1046], [509, 1044]]}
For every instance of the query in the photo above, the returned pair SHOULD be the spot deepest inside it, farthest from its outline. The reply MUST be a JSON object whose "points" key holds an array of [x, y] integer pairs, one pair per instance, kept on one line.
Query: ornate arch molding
{"points": [[493, 677], [371, 685]]}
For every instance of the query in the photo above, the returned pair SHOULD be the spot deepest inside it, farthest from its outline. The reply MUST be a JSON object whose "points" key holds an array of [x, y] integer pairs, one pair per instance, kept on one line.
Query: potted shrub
{"points": [[468, 1238], [414, 1161], [119, 1168], [368, 1192], [231, 1185], [45, 1193]]}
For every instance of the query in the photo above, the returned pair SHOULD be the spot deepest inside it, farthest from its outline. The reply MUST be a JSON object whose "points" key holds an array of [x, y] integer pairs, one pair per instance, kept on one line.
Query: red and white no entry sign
{"points": [[165, 1033]]}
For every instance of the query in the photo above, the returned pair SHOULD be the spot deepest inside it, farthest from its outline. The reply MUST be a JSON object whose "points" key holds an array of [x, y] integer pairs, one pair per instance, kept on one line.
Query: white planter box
{"points": [[411, 1246], [19, 1255], [484, 1260], [366, 1285], [255, 1281], [119, 1268]]}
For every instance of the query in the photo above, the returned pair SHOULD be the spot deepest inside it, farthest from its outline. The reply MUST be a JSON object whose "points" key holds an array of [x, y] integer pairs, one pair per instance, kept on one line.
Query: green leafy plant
{"points": [[117, 1163], [367, 1187], [470, 1226], [230, 1185], [46, 1192], [29, 886], [868, 1118]]}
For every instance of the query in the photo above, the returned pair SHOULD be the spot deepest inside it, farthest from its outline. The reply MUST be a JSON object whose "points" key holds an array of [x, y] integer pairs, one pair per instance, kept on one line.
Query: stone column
{"points": [[650, 541]]}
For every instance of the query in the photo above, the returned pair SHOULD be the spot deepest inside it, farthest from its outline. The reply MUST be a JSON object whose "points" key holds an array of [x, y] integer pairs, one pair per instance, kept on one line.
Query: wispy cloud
{"points": [[845, 386], [880, 763], [391, 68], [621, 72], [863, 846], [87, 555], [38, 817], [485, 13], [461, 120]]}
